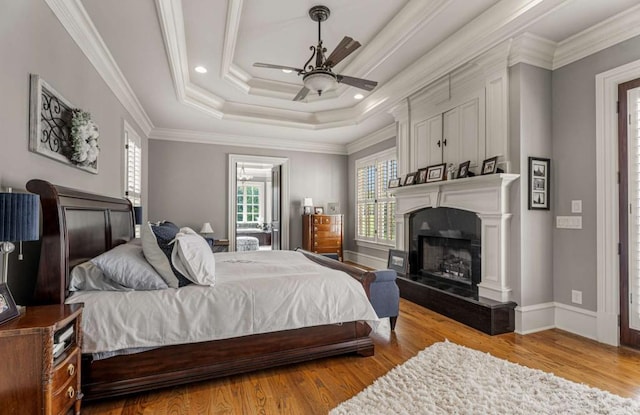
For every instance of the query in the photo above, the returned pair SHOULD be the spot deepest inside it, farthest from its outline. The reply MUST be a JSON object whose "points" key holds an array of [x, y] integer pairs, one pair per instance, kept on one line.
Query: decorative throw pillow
{"points": [[88, 277], [157, 244], [126, 265], [193, 257]]}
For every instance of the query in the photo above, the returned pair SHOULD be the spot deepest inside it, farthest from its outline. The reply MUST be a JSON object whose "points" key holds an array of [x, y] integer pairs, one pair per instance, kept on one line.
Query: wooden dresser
{"points": [[323, 234], [33, 381]]}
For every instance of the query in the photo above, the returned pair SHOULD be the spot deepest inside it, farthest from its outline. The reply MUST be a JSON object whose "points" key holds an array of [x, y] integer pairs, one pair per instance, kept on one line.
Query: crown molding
{"points": [[228, 70], [74, 18], [374, 138], [533, 50], [605, 34], [200, 137]]}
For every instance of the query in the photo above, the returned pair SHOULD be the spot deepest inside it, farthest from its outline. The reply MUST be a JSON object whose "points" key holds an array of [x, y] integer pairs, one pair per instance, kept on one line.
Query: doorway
{"points": [[629, 216], [258, 203]]}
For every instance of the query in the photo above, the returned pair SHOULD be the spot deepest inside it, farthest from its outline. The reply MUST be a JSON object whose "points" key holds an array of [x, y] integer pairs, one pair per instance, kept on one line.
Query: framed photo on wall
{"points": [[539, 183], [398, 261]]}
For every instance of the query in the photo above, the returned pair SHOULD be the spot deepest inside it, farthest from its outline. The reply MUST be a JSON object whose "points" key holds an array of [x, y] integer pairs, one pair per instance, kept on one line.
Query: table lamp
{"points": [[19, 221], [206, 228]]}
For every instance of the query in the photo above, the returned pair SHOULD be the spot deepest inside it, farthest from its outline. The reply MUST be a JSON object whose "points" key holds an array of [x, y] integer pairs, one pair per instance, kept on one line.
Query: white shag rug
{"points": [[446, 378]]}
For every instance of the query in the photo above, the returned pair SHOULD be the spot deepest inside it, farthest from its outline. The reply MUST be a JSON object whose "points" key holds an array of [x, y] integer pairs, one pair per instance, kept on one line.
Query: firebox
{"points": [[448, 258]]}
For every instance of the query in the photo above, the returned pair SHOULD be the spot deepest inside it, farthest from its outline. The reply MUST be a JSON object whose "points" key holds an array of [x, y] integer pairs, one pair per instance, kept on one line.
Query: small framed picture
{"points": [[490, 165], [422, 176], [8, 309], [333, 208], [410, 179], [398, 261], [318, 210], [393, 183], [308, 210], [435, 173], [539, 183], [463, 169]]}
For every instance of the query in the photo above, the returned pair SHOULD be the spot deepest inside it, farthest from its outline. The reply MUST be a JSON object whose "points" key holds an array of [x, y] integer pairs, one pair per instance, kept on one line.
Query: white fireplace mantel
{"points": [[488, 197]]}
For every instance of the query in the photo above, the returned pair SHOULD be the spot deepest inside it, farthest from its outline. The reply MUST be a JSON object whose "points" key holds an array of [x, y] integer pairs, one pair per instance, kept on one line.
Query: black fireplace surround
{"points": [[445, 245], [445, 270]]}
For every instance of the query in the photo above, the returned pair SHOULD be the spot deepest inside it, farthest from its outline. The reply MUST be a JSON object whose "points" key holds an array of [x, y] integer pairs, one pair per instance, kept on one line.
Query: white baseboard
{"points": [[538, 317], [577, 321], [366, 260], [533, 318]]}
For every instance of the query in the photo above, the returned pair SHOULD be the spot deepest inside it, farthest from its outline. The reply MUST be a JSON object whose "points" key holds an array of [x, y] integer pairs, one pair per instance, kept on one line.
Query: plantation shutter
{"points": [[375, 207], [134, 169]]}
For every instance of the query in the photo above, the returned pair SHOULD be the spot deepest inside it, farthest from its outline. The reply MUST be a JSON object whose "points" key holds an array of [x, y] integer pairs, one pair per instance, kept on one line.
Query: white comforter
{"points": [[255, 292]]}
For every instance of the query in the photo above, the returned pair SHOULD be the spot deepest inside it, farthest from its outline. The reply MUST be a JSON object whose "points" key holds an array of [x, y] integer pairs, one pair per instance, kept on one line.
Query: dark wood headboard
{"points": [[76, 226]]}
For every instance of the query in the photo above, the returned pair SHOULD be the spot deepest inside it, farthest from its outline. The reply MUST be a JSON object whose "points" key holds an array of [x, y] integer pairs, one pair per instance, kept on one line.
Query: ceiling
{"points": [[151, 47]]}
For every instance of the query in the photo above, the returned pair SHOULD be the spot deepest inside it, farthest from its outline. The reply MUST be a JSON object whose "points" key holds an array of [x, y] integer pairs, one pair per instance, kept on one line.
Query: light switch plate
{"points": [[576, 206], [576, 297]]}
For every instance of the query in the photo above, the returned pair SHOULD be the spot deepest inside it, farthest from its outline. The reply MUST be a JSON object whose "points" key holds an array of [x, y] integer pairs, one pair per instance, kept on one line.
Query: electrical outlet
{"points": [[576, 297]]}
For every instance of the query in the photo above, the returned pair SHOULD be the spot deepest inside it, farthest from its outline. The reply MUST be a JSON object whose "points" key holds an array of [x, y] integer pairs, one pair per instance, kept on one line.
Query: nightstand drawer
{"points": [[66, 397], [66, 370]]}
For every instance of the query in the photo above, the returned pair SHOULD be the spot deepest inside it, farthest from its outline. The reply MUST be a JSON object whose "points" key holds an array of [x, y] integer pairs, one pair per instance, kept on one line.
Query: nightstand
{"points": [[220, 245], [40, 352]]}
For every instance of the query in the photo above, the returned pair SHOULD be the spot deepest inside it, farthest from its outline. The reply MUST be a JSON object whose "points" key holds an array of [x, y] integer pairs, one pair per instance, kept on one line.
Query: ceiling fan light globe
{"points": [[319, 81]]}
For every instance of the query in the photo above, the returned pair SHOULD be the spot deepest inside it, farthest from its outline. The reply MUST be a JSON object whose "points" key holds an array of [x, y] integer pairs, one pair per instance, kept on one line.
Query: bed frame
{"points": [[78, 226]]}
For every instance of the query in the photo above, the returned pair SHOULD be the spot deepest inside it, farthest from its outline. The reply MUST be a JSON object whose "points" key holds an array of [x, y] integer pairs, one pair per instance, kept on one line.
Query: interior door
{"points": [[276, 204], [629, 215]]}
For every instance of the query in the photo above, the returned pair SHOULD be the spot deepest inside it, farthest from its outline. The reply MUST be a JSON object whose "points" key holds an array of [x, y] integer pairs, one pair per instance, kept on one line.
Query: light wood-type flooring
{"points": [[316, 387]]}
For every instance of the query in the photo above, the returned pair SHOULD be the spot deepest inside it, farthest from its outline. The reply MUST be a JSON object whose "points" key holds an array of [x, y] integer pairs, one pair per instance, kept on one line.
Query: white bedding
{"points": [[255, 292]]}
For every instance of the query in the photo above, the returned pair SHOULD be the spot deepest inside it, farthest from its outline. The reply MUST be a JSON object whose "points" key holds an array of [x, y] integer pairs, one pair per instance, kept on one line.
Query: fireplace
{"points": [[456, 260], [445, 247]]}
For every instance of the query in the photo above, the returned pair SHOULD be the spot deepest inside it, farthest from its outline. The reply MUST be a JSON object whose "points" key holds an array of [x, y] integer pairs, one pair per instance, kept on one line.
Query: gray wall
{"points": [[34, 41], [188, 183], [350, 229], [574, 175]]}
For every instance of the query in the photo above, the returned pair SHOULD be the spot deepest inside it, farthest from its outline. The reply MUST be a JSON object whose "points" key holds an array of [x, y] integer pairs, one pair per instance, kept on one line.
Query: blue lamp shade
{"points": [[137, 213], [19, 217]]}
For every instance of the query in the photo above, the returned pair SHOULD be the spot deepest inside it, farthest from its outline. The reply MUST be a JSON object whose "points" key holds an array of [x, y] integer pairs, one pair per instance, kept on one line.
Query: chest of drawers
{"points": [[323, 234]]}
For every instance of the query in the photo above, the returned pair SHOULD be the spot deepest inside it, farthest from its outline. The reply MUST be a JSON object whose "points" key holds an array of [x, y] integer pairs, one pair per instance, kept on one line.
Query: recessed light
{"points": [[358, 96], [200, 69], [287, 70]]}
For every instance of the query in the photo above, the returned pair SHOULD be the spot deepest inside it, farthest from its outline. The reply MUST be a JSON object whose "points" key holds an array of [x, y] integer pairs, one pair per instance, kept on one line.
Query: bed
{"points": [[78, 226]]}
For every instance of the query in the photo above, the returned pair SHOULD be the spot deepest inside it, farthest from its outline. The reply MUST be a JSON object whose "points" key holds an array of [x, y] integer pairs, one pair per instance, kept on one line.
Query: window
{"points": [[133, 168], [249, 203], [375, 207]]}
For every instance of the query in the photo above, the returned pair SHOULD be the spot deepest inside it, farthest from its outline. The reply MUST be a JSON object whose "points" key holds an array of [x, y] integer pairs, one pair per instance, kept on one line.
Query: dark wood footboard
{"points": [[78, 226]]}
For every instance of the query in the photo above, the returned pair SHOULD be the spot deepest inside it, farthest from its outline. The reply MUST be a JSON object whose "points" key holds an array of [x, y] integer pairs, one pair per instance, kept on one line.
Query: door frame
{"points": [[607, 230], [234, 159]]}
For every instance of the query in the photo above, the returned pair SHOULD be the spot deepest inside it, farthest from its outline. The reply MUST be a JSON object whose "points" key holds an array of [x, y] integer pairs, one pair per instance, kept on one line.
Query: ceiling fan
{"points": [[320, 77]]}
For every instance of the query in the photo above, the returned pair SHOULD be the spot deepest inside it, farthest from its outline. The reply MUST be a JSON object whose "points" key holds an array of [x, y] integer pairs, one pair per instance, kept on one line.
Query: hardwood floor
{"points": [[318, 386]]}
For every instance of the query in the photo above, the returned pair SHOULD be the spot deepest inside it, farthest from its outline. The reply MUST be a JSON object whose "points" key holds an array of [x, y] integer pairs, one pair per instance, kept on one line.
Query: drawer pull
{"points": [[315, 228], [71, 392], [316, 244], [71, 369]]}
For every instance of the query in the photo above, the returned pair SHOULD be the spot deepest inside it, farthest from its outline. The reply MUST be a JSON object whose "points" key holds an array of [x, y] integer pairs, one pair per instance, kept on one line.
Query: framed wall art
{"points": [[435, 173], [398, 261], [60, 131], [539, 170]]}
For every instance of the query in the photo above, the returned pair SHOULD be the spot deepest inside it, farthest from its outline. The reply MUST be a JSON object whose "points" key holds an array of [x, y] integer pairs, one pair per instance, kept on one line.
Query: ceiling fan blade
{"points": [[357, 82], [301, 94], [271, 66], [345, 48]]}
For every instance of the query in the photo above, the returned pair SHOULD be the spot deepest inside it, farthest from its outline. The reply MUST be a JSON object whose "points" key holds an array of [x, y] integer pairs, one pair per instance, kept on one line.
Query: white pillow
{"points": [[88, 277], [126, 265], [156, 257], [192, 256]]}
